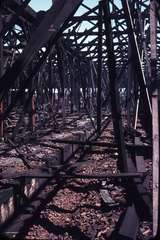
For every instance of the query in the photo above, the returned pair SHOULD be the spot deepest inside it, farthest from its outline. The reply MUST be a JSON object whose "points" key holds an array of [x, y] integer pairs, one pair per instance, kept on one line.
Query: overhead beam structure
{"points": [[99, 62]]}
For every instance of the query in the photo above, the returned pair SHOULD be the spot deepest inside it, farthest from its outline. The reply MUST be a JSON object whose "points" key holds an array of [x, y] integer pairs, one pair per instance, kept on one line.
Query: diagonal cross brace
{"points": [[55, 18]]}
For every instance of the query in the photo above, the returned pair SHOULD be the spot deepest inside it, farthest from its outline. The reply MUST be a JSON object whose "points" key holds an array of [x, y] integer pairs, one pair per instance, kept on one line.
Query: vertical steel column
{"points": [[50, 78], [129, 87], [33, 117], [60, 68], [78, 77], [115, 100], [155, 117], [1, 73], [99, 72], [61, 75], [137, 61]]}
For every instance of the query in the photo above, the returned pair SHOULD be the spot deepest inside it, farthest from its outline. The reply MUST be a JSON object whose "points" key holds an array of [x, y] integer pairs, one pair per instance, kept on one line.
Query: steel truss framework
{"points": [[104, 60]]}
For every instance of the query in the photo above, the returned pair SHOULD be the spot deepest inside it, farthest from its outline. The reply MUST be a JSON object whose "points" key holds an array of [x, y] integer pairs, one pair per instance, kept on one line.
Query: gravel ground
{"points": [[77, 211]]}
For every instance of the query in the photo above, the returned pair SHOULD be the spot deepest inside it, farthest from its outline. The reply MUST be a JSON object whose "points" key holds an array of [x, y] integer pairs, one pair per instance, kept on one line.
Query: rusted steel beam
{"points": [[128, 225], [1, 121], [137, 59], [115, 100], [1, 73], [82, 17], [13, 19], [34, 173], [99, 70], [104, 176], [52, 23], [33, 112], [155, 118], [14, 6], [47, 34]]}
